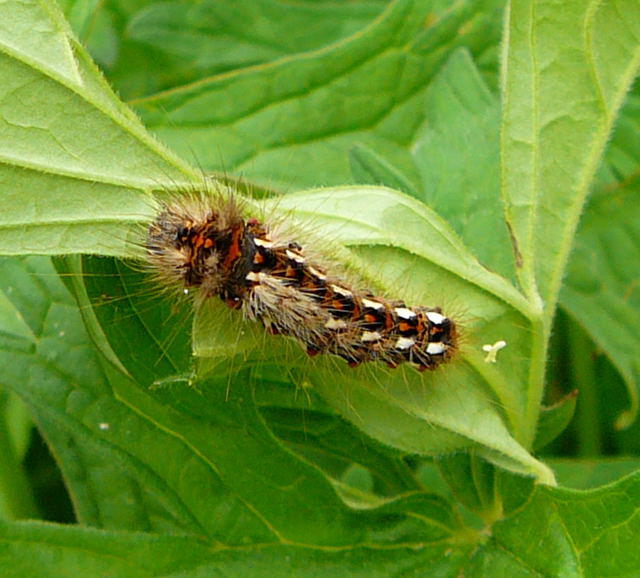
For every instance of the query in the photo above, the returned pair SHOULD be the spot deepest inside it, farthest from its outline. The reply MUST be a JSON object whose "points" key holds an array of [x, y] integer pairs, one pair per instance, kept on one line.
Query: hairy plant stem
{"points": [[536, 381]]}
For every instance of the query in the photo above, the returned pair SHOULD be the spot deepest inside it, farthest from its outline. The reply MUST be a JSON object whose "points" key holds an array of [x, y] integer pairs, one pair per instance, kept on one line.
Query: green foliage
{"points": [[441, 187]]}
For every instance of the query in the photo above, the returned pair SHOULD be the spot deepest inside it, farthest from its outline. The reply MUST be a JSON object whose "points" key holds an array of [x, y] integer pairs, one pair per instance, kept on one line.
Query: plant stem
{"points": [[16, 496], [535, 390], [587, 420]]}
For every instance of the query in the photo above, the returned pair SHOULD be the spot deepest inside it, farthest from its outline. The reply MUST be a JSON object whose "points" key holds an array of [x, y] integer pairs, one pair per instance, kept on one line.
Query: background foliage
{"points": [[310, 469]]}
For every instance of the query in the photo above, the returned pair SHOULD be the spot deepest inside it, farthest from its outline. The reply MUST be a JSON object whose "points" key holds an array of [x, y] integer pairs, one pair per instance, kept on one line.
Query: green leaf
{"points": [[584, 474], [15, 421], [567, 72], [396, 414], [216, 449], [95, 27], [620, 164], [456, 152], [334, 445], [18, 422], [589, 533], [562, 532], [30, 547], [370, 168], [554, 419], [46, 368], [76, 167], [292, 123], [150, 46], [199, 40], [371, 220], [236, 482], [455, 161], [601, 289], [403, 409], [472, 482]]}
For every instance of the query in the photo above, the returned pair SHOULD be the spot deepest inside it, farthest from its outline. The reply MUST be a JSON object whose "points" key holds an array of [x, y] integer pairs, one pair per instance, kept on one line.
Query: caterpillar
{"points": [[203, 242]]}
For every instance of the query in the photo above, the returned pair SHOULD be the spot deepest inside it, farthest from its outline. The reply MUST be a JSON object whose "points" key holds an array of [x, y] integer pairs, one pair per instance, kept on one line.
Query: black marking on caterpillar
{"points": [[204, 242]]}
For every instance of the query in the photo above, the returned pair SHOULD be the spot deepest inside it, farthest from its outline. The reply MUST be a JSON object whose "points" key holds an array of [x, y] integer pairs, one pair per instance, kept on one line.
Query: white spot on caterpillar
{"points": [[295, 257], [368, 336], [492, 350], [405, 313], [372, 304], [435, 318], [341, 291], [253, 276], [263, 243], [405, 343], [435, 348], [317, 273]]}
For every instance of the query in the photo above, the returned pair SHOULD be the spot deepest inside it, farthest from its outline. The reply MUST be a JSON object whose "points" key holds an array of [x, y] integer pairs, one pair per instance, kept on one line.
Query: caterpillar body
{"points": [[204, 242]]}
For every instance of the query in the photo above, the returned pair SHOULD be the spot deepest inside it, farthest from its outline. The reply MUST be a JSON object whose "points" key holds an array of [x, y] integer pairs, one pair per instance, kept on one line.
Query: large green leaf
{"points": [[563, 532], [600, 288], [28, 549], [149, 46], [584, 474], [404, 409], [235, 482], [457, 154], [291, 123], [74, 166], [372, 220], [55, 370], [414, 413], [556, 533], [564, 79], [567, 71], [16, 495], [602, 278]]}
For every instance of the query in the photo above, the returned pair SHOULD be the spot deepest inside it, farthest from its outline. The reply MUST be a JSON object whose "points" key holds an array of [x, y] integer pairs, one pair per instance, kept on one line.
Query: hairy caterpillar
{"points": [[204, 242]]}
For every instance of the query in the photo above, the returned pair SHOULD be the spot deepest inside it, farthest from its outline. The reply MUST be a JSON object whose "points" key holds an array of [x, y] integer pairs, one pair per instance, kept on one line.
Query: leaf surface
{"points": [[75, 167], [193, 460], [562, 532], [567, 72], [601, 289], [291, 123], [29, 547]]}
